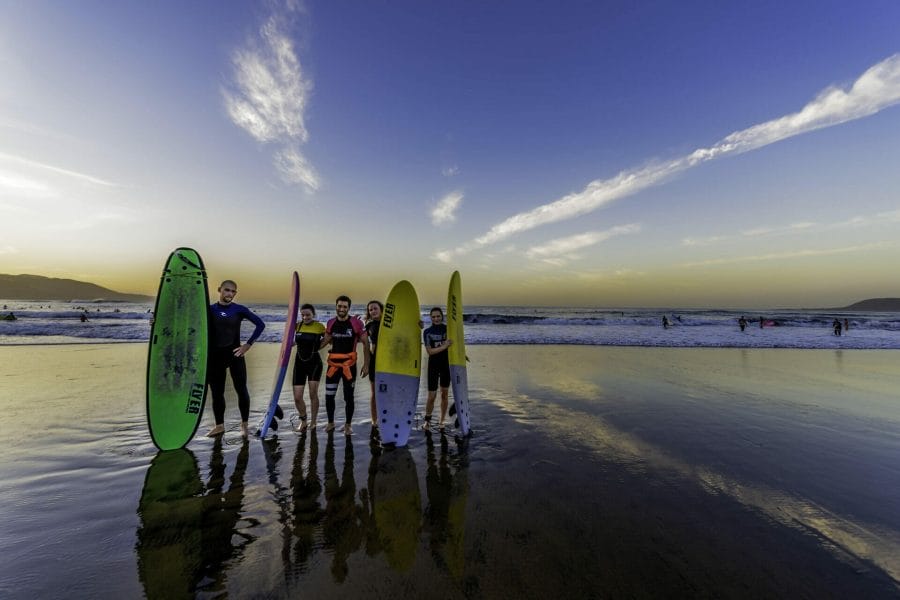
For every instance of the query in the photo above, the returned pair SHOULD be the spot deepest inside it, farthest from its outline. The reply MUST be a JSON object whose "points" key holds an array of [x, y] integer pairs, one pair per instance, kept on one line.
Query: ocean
{"points": [[52, 322]]}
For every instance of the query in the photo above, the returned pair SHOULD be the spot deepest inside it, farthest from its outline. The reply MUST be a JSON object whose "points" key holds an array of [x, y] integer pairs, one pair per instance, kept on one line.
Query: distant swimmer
{"points": [[9, 317], [742, 323], [846, 325], [83, 317], [837, 326], [762, 322], [665, 322]]}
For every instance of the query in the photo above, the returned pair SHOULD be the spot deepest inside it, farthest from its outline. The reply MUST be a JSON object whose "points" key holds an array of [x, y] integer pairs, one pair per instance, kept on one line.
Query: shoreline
{"points": [[706, 473]]}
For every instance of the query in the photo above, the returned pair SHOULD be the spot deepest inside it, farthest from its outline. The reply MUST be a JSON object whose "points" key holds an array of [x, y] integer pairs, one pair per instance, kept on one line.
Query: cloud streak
{"points": [[876, 89], [562, 250], [56, 170], [789, 255], [794, 228], [444, 212], [270, 95]]}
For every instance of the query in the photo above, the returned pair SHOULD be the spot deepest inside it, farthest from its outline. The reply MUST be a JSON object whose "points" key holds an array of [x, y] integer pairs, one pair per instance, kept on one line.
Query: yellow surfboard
{"points": [[459, 380], [399, 364]]}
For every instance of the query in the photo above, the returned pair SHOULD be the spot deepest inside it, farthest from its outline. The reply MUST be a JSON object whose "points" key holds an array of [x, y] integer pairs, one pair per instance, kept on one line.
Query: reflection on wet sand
{"points": [[838, 534], [187, 530], [307, 511], [281, 494], [446, 510], [397, 507], [341, 527]]}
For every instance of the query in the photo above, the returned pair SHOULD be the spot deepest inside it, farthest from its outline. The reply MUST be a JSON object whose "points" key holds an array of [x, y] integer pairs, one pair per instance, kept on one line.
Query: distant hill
{"points": [[876, 305], [36, 287]]}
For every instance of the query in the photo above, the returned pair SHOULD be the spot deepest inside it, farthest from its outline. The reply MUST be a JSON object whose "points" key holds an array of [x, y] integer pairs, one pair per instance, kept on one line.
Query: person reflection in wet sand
{"points": [[308, 511], [188, 530], [222, 511], [367, 497], [445, 512], [341, 526], [438, 483]]}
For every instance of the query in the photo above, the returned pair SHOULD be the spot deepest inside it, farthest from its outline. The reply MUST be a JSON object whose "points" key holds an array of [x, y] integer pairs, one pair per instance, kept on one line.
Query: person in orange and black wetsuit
{"points": [[343, 332]]}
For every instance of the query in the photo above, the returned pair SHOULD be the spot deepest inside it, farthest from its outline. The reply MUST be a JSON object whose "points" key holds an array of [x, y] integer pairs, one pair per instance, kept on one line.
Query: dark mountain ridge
{"points": [[37, 287]]}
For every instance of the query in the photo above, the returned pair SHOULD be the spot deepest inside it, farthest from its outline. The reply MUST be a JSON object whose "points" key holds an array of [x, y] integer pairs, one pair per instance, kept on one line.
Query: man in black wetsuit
{"points": [[226, 353]]}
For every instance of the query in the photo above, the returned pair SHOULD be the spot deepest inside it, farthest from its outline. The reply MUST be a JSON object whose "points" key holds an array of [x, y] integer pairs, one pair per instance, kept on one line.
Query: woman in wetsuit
{"points": [[308, 364]]}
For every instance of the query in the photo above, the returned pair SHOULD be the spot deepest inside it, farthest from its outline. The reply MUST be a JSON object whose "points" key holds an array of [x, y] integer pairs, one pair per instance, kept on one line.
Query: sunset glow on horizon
{"points": [[606, 154]]}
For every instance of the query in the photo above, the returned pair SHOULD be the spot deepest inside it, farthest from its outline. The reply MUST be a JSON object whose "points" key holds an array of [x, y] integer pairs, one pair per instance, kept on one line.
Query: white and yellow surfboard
{"points": [[399, 364], [459, 381]]}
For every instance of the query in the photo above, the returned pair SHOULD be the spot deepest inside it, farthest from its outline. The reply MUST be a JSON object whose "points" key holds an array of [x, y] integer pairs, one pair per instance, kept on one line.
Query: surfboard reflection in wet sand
{"points": [[189, 531]]}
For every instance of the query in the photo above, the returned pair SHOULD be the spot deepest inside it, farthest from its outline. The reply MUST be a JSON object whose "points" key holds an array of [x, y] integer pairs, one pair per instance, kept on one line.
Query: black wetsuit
{"points": [[438, 364], [344, 337], [225, 336], [372, 332], [308, 362]]}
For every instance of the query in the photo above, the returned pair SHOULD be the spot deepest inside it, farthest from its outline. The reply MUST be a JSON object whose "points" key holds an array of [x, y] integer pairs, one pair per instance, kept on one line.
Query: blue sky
{"points": [[589, 153]]}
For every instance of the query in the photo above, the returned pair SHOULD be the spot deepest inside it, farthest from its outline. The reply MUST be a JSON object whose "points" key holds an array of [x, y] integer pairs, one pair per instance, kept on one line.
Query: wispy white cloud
{"points": [[704, 241], [790, 255], [563, 250], [805, 227], [445, 210], [270, 95], [876, 89], [294, 168], [9, 158], [93, 220], [19, 185], [8, 250], [451, 171]]}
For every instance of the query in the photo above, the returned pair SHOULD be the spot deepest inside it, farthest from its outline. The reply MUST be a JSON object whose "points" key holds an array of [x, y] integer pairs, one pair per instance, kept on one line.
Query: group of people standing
{"points": [[344, 333]]}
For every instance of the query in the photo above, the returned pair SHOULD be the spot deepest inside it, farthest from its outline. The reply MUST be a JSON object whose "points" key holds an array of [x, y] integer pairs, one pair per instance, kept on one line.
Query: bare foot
{"points": [[329, 427], [347, 429], [245, 430], [302, 426], [217, 430]]}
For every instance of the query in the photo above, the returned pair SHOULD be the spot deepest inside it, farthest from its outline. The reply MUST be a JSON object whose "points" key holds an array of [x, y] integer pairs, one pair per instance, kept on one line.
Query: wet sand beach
{"points": [[593, 472]]}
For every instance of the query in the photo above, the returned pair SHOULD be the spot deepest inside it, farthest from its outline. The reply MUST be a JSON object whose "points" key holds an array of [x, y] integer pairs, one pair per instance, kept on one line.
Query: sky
{"points": [[576, 153]]}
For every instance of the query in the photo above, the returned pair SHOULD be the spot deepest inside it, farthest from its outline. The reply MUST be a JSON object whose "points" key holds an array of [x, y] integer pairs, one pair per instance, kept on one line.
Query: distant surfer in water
{"points": [[343, 332], [436, 344], [308, 364], [226, 353], [373, 320], [665, 322], [742, 323]]}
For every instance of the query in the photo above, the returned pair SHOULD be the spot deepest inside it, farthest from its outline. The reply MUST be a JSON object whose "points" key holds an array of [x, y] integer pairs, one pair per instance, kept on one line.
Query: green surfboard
{"points": [[179, 342]]}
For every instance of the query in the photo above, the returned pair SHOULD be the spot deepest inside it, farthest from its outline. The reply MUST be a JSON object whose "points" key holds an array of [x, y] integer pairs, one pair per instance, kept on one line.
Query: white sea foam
{"points": [[56, 322]]}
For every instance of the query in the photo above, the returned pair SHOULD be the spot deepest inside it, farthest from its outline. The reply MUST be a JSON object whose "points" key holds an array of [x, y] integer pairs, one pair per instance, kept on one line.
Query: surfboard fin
{"points": [[452, 410], [279, 414]]}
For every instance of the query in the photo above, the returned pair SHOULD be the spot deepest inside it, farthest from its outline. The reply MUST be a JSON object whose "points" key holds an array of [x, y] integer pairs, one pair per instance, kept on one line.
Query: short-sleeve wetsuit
{"points": [[438, 364], [308, 362], [344, 337]]}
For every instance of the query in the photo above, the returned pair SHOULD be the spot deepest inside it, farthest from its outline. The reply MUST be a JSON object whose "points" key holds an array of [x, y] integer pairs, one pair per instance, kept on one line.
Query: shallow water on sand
{"points": [[593, 472]]}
